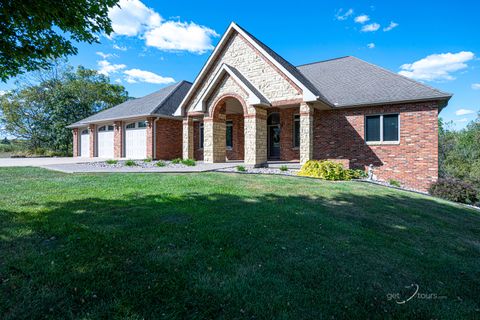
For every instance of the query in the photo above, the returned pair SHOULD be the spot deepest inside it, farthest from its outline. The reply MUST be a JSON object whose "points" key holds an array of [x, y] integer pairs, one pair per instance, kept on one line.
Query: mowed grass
{"points": [[230, 246]]}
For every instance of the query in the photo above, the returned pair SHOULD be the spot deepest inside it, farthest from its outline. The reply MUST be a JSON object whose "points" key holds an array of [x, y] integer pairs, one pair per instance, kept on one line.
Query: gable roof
{"points": [[163, 102], [349, 81], [285, 67]]}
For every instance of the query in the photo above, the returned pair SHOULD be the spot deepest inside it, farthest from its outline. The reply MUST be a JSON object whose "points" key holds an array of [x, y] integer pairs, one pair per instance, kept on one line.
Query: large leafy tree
{"points": [[34, 32], [59, 96]]}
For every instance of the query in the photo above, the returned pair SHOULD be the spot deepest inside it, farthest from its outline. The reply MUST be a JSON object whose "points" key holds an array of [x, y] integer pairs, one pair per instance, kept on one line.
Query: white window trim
{"points": [[381, 142], [293, 131]]}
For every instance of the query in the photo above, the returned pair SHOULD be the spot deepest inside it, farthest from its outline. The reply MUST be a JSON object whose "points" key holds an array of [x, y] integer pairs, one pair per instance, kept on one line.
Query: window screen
{"points": [[390, 127], [372, 128]]}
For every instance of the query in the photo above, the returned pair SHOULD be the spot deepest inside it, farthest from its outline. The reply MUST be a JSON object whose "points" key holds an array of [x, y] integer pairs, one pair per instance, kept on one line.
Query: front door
{"points": [[274, 142]]}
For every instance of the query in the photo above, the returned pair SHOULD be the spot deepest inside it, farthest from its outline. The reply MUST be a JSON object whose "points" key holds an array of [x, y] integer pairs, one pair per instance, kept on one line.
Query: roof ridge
{"points": [[177, 86], [404, 77], [321, 61]]}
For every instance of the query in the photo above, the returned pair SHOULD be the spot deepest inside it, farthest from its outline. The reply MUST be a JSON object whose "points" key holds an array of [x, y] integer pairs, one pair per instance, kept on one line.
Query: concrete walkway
{"points": [[38, 162]]}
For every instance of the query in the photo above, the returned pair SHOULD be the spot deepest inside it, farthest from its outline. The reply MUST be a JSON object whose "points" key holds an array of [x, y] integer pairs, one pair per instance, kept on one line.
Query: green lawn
{"points": [[229, 246]]}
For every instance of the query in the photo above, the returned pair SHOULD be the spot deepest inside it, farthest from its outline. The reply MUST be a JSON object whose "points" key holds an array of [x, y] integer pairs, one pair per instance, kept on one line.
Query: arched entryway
{"points": [[224, 130]]}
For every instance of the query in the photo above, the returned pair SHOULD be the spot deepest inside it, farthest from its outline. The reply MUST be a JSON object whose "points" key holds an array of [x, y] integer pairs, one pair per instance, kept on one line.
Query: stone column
{"points": [[75, 142], [150, 139], [214, 131], [118, 140], [93, 140], [306, 132], [187, 144], [255, 135]]}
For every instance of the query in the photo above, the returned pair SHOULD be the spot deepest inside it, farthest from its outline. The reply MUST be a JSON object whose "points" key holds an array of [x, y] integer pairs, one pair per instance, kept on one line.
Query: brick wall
{"points": [[118, 139], [169, 139], [339, 134], [237, 152], [75, 142]]}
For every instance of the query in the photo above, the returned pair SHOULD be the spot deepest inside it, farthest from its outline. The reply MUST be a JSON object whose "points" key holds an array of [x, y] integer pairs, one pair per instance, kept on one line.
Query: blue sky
{"points": [[435, 42]]}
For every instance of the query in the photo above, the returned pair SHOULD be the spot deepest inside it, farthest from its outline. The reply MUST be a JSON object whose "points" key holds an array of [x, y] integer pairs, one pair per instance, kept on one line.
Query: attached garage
{"points": [[136, 140], [105, 144], [84, 143]]}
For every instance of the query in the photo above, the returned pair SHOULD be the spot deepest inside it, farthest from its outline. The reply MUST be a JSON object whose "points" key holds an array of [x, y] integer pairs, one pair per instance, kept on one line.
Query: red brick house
{"points": [[250, 104]]}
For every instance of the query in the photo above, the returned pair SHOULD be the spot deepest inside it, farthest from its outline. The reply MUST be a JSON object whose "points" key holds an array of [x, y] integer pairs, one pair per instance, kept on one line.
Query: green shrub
{"points": [[111, 161], [148, 160], [130, 163], [394, 183], [454, 190], [241, 168], [327, 170], [189, 162], [160, 164], [283, 168], [177, 161], [356, 173]]}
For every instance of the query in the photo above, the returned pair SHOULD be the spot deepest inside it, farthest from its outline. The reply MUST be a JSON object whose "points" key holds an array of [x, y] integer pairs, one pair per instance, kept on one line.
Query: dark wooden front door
{"points": [[274, 142]]}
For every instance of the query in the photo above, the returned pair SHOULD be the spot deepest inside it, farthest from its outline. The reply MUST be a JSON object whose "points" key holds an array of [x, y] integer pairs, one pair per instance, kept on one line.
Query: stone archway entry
{"points": [[273, 136]]}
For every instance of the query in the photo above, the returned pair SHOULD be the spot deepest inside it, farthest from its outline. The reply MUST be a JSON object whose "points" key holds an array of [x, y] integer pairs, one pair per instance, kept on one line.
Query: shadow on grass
{"points": [[221, 255]]}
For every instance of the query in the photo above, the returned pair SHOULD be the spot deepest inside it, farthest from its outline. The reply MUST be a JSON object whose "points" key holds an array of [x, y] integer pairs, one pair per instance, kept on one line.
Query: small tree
{"points": [[5, 141]]}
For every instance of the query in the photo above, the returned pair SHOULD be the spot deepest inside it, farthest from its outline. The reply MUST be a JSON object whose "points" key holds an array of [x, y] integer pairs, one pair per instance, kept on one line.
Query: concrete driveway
{"points": [[39, 162]]}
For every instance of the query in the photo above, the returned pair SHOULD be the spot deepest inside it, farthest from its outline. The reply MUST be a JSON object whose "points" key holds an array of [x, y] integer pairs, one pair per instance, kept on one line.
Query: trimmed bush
{"points": [[130, 163], [327, 170], [189, 162], [177, 161], [454, 190], [160, 164], [111, 161], [394, 183], [148, 160], [356, 174], [283, 168], [241, 168]]}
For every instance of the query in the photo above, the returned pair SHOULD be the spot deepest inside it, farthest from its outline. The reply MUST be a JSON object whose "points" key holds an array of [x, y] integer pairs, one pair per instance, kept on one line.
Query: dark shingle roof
{"points": [[162, 102], [349, 81]]}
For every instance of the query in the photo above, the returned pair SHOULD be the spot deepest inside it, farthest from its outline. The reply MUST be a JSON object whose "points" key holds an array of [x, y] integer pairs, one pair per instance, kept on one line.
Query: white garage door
{"points": [[85, 143], [105, 141], [136, 140]]}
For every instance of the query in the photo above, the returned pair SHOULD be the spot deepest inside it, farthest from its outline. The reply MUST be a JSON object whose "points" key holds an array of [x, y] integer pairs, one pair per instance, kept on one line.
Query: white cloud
{"points": [[371, 45], [2, 92], [343, 16], [390, 26], [105, 55], [370, 27], [362, 19], [118, 80], [463, 112], [135, 19], [437, 66], [476, 86], [117, 47], [137, 75], [107, 68], [132, 18], [461, 120], [175, 35]]}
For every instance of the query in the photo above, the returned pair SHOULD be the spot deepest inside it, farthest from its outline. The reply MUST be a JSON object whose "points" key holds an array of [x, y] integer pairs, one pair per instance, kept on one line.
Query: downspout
{"points": [[154, 156]]}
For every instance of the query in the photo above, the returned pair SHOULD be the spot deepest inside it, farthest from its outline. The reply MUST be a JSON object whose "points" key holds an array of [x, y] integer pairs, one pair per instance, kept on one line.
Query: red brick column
{"points": [[150, 139], [93, 140], [75, 142], [118, 139]]}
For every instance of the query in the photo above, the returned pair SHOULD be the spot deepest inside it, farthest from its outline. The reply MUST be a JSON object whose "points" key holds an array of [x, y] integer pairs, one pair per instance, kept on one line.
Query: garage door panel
{"points": [[105, 144], [85, 145], [136, 143]]}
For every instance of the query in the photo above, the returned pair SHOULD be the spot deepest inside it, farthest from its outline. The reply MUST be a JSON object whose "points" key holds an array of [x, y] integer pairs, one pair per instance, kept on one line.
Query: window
{"points": [[85, 131], [382, 128], [130, 126], [229, 125], [110, 128], [296, 131], [200, 144], [102, 128], [142, 124]]}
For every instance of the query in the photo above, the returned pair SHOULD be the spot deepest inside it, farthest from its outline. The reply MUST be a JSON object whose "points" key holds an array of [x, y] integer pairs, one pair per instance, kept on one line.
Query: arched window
{"points": [[102, 128], [84, 131], [273, 118]]}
